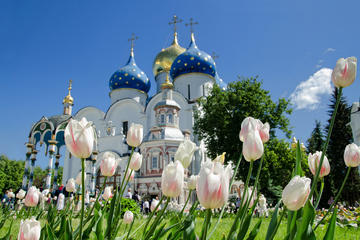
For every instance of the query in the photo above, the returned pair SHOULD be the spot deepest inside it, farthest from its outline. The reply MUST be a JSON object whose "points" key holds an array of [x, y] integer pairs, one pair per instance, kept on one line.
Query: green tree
{"points": [[340, 137], [11, 173], [218, 121], [316, 140]]}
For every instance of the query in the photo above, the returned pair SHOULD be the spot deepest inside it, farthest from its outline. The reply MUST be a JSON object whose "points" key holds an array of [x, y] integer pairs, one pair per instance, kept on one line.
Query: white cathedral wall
{"points": [[124, 93], [199, 84]]}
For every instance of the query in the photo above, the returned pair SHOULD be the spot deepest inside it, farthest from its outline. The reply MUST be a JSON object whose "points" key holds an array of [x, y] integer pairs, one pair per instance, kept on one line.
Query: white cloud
{"points": [[308, 93], [329, 50]]}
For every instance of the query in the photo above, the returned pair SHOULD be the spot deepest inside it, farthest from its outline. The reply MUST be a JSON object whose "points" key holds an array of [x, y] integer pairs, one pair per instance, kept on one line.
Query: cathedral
{"points": [[182, 75]]}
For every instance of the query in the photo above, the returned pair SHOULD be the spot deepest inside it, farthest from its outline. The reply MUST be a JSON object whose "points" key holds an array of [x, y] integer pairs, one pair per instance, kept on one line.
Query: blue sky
{"points": [[291, 45]]}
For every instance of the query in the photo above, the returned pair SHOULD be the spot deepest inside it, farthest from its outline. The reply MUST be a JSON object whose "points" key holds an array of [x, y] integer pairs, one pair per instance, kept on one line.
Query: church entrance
{"points": [[113, 181]]}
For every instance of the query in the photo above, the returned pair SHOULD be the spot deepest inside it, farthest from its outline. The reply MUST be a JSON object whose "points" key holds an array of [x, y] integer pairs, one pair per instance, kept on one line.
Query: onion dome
{"points": [[166, 57], [130, 76], [69, 99], [220, 82], [193, 60]]}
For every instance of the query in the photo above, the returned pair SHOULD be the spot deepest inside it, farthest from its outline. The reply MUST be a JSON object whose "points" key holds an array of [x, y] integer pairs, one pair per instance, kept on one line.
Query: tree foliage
{"points": [[340, 137], [218, 120], [11, 173], [316, 140]]}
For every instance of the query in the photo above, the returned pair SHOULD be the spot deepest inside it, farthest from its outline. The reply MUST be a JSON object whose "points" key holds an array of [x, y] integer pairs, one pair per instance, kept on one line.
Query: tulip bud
{"points": [[70, 185], [220, 158], [314, 162], [172, 179], [107, 193], [30, 229], [264, 131], [128, 217], [192, 182], [153, 205], [32, 197], [79, 138], [213, 184], [185, 152], [344, 72], [134, 135], [21, 194], [128, 174], [253, 147], [295, 194], [352, 155], [78, 180], [135, 162], [108, 164]]}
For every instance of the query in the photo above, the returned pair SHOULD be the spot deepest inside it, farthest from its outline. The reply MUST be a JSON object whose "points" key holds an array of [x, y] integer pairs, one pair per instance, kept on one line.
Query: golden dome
{"points": [[167, 84], [165, 58], [69, 99]]}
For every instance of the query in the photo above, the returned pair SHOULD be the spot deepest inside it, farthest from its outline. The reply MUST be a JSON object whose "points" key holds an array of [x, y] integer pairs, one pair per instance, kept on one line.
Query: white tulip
{"points": [[135, 162], [108, 164], [128, 217], [172, 179], [344, 72], [21, 194], [352, 155], [107, 193], [192, 182], [70, 185], [30, 229], [314, 162], [185, 152], [295, 194], [135, 135]]}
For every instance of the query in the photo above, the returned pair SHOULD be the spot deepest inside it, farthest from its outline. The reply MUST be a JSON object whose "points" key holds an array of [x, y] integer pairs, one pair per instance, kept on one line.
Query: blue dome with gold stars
{"points": [[130, 76], [193, 60]]}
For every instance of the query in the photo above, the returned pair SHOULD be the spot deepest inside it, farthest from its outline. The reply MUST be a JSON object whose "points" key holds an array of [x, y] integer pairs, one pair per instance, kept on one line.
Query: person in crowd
{"points": [[146, 207], [129, 194]]}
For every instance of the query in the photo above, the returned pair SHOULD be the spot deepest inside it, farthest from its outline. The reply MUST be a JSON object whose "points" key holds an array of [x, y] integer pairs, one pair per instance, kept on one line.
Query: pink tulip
{"points": [[30, 229], [192, 182], [253, 147], [352, 155], [128, 217], [172, 179], [250, 124], [135, 135], [108, 164], [32, 197], [344, 72], [213, 184], [107, 193], [295, 194], [79, 138], [135, 162], [128, 174], [314, 163]]}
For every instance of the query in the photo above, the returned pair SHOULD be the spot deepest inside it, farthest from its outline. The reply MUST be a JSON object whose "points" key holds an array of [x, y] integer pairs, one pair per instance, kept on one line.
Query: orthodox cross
{"points": [[214, 55], [132, 39], [175, 21], [191, 24]]}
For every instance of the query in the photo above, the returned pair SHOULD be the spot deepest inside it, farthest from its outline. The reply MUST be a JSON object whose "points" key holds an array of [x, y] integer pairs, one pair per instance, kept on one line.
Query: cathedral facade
{"points": [[181, 76]]}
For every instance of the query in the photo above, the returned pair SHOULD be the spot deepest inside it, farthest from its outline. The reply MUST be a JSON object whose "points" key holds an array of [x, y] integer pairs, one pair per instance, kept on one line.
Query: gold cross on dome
{"points": [[191, 24], [175, 21], [132, 39]]}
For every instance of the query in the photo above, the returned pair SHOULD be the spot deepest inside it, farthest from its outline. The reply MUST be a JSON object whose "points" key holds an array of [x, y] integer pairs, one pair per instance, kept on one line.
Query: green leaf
{"points": [[298, 170], [330, 231], [8, 235], [273, 222], [306, 221], [50, 233], [99, 228], [255, 230]]}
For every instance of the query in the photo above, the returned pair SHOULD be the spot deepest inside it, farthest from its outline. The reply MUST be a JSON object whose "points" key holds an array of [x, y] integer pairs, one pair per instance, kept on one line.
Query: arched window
{"points": [[154, 162], [171, 118], [162, 119]]}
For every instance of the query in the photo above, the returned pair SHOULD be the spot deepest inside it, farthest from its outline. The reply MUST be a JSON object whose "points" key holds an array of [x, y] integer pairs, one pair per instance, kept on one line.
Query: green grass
{"points": [[222, 229]]}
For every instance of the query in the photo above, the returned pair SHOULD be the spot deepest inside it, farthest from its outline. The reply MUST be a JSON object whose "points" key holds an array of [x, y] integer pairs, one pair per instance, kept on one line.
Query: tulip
{"points": [[213, 184], [70, 185], [253, 147], [134, 135], [314, 162], [21, 194], [264, 131], [30, 229], [60, 202], [262, 201], [79, 138], [153, 205], [220, 158], [172, 179], [344, 72], [250, 124], [128, 217], [135, 162], [78, 178], [107, 193], [128, 174], [295, 194], [11, 195], [352, 155], [32, 197], [185, 152], [108, 164], [192, 182]]}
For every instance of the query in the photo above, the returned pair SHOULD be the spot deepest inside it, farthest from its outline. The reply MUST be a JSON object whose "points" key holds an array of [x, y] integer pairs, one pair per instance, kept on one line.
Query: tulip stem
{"points": [[320, 194], [97, 199], [336, 198], [187, 200], [206, 224], [230, 185], [82, 195], [278, 223], [131, 225], [332, 121], [152, 214], [157, 220]]}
